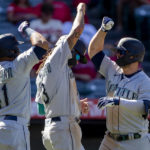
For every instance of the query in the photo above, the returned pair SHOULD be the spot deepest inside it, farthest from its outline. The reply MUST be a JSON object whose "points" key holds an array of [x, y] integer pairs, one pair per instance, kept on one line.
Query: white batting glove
{"points": [[23, 26], [107, 102], [107, 24]]}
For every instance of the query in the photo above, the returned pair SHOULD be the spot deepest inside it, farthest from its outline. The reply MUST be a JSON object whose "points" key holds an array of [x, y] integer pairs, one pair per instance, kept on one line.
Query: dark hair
{"points": [[18, 1], [47, 8]]}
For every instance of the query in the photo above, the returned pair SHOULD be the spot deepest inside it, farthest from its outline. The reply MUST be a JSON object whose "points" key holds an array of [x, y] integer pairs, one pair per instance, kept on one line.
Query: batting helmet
{"points": [[131, 50], [8, 46]]}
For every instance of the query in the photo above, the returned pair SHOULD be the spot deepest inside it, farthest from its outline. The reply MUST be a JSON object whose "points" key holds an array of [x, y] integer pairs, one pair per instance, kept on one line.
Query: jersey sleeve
{"points": [[26, 60], [144, 90], [60, 55], [104, 64], [133, 106], [137, 106]]}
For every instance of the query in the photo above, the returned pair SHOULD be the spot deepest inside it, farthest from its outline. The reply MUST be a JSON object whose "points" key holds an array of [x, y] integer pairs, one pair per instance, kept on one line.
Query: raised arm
{"points": [[77, 27], [97, 42], [36, 38]]}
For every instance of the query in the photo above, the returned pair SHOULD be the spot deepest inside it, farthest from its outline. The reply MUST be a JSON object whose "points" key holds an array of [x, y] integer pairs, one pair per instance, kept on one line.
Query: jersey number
{"points": [[4, 88], [46, 99]]}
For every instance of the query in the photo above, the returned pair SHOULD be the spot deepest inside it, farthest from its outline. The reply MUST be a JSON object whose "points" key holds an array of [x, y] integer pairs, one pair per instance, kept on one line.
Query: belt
{"points": [[59, 119], [9, 117], [123, 137], [56, 119]]}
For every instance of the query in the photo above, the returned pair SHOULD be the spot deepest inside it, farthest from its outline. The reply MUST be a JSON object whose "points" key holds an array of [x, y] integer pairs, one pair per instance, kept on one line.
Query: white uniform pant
{"points": [[13, 135], [142, 143], [62, 135]]}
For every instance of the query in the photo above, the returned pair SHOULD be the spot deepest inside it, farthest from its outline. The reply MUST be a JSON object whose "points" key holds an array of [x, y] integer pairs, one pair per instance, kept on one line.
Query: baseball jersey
{"points": [[15, 89], [56, 86], [127, 117]]}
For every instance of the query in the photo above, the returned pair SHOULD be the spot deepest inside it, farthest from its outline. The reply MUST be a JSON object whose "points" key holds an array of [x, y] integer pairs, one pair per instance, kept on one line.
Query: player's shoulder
{"points": [[144, 76], [144, 79], [111, 65], [61, 41]]}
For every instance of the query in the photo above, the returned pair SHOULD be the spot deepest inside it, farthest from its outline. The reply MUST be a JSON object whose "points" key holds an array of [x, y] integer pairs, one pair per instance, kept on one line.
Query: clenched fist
{"points": [[84, 106], [81, 7], [107, 24]]}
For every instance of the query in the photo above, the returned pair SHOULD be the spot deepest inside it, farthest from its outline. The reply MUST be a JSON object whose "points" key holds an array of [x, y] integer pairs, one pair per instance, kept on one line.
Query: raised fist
{"points": [[81, 7], [107, 24], [23, 26]]}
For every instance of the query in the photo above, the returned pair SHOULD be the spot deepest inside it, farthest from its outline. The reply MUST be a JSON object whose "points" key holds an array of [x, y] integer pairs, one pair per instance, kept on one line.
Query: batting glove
{"points": [[23, 26], [107, 24], [107, 102]]}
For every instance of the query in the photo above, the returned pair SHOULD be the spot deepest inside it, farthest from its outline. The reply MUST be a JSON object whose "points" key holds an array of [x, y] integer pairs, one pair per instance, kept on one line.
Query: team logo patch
{"points": [[47, 68], [5, 74]]}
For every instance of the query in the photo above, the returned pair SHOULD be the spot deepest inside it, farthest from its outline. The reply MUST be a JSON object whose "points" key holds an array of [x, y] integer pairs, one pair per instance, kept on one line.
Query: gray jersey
{"points": [[56, 86], [15, 90], [127, 117]]}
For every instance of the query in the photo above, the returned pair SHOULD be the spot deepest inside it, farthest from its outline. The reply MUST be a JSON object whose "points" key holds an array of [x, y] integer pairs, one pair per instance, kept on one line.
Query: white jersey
{"points": [[15, 89], [127, 117], [56, 86]]}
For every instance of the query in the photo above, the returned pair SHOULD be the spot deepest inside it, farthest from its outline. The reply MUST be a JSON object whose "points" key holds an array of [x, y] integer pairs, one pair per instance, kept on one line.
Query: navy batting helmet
{"points": [[131, 49], [8, 46]]}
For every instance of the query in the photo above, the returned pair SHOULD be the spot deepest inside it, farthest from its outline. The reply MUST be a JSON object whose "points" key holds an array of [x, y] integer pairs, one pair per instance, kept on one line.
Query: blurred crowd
{"points": [[53, 18]]}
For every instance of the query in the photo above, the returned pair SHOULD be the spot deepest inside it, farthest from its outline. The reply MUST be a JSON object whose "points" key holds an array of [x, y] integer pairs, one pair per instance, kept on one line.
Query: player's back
{"points": [[15, 85], [54, 84]]}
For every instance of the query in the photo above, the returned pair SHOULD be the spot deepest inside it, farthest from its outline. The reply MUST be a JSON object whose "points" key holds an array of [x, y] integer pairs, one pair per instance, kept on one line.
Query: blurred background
{"points": [[53, 18]]}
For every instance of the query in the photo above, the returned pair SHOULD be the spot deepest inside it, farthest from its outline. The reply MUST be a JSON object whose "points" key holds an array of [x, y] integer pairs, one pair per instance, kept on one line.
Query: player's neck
{"points": [[130, 69]]}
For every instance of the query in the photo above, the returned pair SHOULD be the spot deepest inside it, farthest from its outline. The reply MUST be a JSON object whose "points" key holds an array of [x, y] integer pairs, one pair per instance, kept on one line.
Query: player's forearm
{"points": [[78, 23], [97, 43], [38, 40], [77, 27]]}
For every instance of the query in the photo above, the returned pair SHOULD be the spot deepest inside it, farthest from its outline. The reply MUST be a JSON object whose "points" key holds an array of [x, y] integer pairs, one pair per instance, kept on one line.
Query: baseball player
{"points": [[57, 94], [15, 95], [128, 92]]}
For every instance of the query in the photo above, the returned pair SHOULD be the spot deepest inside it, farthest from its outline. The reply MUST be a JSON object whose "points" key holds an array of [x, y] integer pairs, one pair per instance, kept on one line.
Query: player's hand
{"points": [[23, 26], [84, 106], [107, 24], [107, 102], [81, 7]]}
